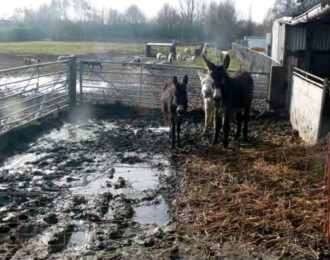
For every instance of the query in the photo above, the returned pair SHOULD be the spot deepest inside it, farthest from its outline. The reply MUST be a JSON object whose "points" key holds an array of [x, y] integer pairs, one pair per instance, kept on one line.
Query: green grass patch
{"points": [[63, 48]]}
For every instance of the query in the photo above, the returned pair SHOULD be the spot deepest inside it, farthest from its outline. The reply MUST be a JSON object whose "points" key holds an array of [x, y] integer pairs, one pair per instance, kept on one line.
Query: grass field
{"points": [[77, 48], [14, 50]]}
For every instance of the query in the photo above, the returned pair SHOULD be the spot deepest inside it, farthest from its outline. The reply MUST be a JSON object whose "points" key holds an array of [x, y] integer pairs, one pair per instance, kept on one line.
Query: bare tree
{"points": [[167, 17], [188, 10], [114, 17], [133, 15]]}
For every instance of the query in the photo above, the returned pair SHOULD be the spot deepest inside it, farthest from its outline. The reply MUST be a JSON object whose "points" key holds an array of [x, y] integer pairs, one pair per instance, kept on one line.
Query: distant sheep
{"points": [[29, 61], [163, 57], [179, 56], [35, 61], [137, 59], [187, 51], [159, 55], [170, 57]]}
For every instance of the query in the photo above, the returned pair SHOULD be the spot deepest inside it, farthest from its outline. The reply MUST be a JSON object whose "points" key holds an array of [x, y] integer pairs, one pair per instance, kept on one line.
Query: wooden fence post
{"points": [[72, 82]]}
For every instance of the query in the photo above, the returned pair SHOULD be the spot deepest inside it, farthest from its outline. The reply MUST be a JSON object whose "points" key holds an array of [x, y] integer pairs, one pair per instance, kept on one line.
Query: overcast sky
{"points": [[150, 7]]}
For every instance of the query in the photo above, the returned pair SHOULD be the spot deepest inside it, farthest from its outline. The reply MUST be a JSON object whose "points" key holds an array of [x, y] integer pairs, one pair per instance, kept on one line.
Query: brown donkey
{"points": [[174, 105], [231, 95]]}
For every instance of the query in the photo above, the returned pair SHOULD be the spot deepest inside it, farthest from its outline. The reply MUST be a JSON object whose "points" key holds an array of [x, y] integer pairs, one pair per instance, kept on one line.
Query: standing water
{"points": [[84, 184]]}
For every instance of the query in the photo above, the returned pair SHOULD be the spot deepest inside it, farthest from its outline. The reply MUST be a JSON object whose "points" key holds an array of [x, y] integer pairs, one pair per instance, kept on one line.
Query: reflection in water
{"points": [[153, 214]]}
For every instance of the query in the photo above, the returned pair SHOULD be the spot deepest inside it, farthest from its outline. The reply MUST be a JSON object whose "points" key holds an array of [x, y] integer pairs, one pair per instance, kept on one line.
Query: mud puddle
{"points": [[90, 188]]}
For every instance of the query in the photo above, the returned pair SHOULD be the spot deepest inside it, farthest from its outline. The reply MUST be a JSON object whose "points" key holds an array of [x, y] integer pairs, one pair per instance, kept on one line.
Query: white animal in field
{"points": [[179, 56], [191, 59], [27, 61], [61, 58], [159, 55], [163, 57], [187, 51], [207, 92], [137, 59], [170, 57], [205, 49], [35, 61]]}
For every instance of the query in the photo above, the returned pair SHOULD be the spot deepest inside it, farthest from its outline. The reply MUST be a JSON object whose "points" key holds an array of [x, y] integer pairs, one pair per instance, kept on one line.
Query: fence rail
{"points": [[31, 92], [142, 83], [254, 61]]}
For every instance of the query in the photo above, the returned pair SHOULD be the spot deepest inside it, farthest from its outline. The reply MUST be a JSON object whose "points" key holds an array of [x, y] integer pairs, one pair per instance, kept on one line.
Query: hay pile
{"points": [[266, 201]]}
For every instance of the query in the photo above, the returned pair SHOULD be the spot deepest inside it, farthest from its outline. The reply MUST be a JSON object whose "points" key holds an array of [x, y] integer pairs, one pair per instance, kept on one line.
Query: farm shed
{"points": [[149, 45], [302, 45], [257, 43]]}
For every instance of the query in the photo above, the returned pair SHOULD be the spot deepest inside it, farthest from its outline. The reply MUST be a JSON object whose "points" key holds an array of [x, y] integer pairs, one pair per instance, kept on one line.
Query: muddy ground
{"points": [[104, 184]]}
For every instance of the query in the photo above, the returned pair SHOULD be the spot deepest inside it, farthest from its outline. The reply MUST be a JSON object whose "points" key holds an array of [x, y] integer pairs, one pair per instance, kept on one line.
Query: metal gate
{"points": [[31, 92], [142, 83]]}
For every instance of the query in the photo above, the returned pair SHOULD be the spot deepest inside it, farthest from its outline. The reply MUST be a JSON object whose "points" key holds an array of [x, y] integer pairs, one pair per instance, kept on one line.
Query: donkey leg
{"points": [[211, 115], [239, 117], [179, 131], [246, 120], [206, 117], [173, 132], [226, 130], [217, 126]]}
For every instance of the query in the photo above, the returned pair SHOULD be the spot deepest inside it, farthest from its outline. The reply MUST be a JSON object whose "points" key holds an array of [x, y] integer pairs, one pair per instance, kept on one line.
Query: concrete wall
{"points": [[307, 101]]}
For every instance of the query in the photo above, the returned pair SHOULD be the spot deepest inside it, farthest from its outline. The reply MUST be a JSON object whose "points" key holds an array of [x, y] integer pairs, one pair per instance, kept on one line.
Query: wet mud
{"points": [[88, 189], [103, 183]]}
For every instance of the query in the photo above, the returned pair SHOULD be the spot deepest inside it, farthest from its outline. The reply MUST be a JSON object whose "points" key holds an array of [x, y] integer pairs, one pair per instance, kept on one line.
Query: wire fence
{"points": [[31, 92], [254, 61], [142, 83]]}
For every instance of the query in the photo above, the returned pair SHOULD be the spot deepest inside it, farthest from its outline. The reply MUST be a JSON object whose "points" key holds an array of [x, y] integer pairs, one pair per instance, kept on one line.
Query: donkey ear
{"points": [[175, 81], [226, 63], [209, 65], [185, 80], [201, 75]]}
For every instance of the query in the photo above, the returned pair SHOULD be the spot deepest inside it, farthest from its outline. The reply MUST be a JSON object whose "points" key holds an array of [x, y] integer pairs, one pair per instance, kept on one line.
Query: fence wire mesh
{"points": [[31, 92], [142, 83]]}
